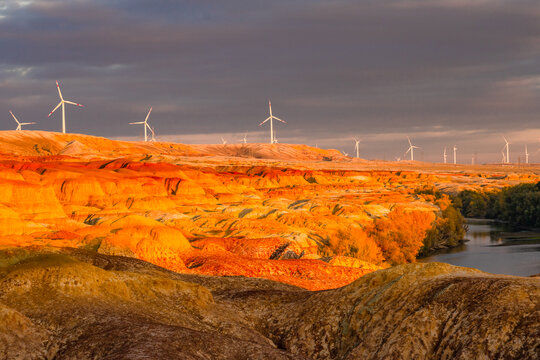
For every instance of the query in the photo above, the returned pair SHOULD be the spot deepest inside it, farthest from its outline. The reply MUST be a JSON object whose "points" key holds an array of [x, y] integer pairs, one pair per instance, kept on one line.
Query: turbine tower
{"points": [[63, 104], [507, 147], [526, 155], [271, 118], [357, 147], [411, 149], [20, 124], [455, 157], [153, 134], [444, 155], [146, 126]]}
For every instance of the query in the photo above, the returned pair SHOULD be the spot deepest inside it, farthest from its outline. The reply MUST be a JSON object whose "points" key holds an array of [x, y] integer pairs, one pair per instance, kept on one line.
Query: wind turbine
{"points": [[455, 155], [63, 104], [20, 124], [526, 155], [357, 147], [223, 141], [503, 157], [507, 147], [271, 118], [444, 155], [275, 137], [153, 134], [244, 139], [411, 149], [146, 126]]}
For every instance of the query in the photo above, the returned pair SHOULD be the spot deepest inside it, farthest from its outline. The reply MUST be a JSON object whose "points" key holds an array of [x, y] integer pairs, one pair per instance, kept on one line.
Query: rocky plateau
{"points": [[126, 250]]}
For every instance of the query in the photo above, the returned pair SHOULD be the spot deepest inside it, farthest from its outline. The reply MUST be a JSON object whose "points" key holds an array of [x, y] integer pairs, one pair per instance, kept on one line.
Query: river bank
{"points": [[495, 247]]}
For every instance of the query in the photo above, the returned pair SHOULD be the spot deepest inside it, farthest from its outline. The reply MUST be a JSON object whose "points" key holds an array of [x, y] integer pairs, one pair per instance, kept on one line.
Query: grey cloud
{"points": [[331, 67]]}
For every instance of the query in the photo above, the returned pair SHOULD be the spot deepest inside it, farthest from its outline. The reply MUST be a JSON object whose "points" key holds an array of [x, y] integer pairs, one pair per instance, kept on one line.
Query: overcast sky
{"points": [[444, 72]]}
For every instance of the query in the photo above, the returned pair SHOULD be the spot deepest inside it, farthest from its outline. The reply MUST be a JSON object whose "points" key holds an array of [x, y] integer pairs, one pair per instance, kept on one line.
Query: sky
{"points": [[444, 73]]}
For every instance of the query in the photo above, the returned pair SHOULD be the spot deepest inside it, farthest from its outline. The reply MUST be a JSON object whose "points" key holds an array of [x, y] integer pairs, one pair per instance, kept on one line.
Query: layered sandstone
{"points": [[259, 210]]}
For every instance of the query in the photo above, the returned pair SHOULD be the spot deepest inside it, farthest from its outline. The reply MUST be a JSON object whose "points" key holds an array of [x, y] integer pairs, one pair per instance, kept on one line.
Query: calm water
{"points": [[496, 249]]}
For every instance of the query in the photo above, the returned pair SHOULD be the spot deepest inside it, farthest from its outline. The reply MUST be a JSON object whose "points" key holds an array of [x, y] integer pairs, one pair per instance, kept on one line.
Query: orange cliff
{"points": [[235, 210]]}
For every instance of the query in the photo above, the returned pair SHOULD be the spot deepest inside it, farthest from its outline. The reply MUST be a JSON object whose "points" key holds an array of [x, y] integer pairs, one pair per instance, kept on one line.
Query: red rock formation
{"points": [[199, 209]]}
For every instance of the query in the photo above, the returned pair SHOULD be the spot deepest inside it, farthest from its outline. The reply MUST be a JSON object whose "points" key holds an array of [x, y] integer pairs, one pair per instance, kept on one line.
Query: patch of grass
{"points": [[94, 244], [91, 219], [298, 203], [336, 209], [267, 214], [244, 212]]}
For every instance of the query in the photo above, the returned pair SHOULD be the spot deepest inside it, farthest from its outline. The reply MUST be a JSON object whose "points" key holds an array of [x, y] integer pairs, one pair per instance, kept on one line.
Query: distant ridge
{"points": [[44, 143]]}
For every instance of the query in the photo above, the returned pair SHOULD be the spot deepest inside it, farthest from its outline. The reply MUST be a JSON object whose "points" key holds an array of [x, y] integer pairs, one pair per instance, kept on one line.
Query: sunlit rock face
{"points": [[78, 304], [271, 211]]}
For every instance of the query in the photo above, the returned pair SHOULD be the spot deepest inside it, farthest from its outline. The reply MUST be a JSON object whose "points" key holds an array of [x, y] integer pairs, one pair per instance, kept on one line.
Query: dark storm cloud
{"points": [[436, 70]]}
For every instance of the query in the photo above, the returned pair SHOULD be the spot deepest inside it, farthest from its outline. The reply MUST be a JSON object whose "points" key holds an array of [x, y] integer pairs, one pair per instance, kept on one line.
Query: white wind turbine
{"points": [[503, 157], [63, 104], [444, 155], [146, 126], [20, 124], [244, 139], [455, 155], [271, 118], [507, 147], [411, 149], [223, 141], [357, 147], [526, 155]]}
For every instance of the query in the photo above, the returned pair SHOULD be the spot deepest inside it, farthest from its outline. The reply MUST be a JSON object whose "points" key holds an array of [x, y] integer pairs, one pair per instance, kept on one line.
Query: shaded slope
{"points": [[76, 304]]}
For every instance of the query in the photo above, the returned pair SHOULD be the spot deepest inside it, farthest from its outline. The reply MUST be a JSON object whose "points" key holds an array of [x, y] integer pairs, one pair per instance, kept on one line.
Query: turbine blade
{"points": [[268, 118], [59, 92], [30, 123], [57, 106], [72, 103], [278, 119], [136, 123], [149, 111], [409, 141], [14, 117]]}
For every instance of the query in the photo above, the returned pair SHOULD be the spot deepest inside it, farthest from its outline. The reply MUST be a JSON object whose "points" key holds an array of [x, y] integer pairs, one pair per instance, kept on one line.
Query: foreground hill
{"points": [[74, 304]]}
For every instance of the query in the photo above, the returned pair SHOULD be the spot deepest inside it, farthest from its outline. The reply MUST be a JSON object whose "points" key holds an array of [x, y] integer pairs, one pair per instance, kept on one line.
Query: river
{"points": [[495, 248]]}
